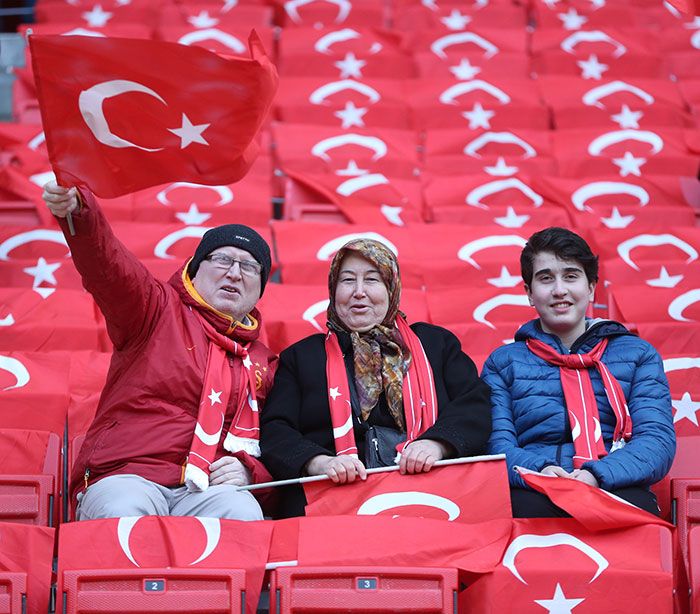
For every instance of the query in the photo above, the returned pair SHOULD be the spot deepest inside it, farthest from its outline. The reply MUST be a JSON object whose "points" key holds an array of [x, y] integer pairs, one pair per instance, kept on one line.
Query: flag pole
{"points": [[318, 478]]}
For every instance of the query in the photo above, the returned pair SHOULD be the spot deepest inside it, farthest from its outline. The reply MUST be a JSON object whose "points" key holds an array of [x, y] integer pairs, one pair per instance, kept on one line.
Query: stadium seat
{"points": [[298, 590], [200, 591], [686, 509], [13, 592], [30, 496], [694, 559]]}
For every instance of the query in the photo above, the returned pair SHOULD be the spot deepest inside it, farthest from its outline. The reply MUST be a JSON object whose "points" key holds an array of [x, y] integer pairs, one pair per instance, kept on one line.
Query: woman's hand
{"points": [[341, 469], [556, 470], [585, 476], [229, 470], [60, 201], [420, 455]]}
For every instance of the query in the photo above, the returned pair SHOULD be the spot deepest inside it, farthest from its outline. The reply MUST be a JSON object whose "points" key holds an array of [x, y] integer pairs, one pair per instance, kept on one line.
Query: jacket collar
{"points": [[596, 330]]}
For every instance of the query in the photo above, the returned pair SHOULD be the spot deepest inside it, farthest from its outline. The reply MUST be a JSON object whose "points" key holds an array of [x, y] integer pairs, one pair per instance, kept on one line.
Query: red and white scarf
{"points": [[420, 402], [244, 432], [580, 399]]}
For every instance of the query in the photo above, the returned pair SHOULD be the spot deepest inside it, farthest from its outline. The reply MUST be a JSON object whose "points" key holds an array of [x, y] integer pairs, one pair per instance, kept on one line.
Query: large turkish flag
{"points": [[118, 125]]}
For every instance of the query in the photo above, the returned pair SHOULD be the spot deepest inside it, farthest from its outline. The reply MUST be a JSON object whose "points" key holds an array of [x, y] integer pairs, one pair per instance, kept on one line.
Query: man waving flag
{"points": [[125, 114]]}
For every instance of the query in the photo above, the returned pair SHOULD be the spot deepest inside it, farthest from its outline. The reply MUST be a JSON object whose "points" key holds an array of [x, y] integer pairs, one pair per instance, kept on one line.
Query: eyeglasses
{"points": [[222, 261]]}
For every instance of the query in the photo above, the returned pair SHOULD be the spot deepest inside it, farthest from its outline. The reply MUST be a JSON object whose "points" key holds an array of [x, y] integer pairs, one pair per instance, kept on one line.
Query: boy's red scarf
{"points": [[245, 430], [580, 399], [419, 400]]}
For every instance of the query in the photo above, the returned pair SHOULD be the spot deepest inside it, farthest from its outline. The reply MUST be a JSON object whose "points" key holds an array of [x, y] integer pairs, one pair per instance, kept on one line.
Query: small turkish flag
{"points": [[426, 495], [595, 508], [117, 124]]}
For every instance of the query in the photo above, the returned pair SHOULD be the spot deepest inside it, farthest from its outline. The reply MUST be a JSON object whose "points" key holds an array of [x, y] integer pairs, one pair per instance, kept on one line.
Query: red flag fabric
{"points": [[189, 115], [683, 373], [168, 541], [458, 16], [87, 13], [307, 13], [426, 495], [28, 549], [558, 565], [594, 508], [227, 41], [222, 16], [687, 6], [418, 542]]}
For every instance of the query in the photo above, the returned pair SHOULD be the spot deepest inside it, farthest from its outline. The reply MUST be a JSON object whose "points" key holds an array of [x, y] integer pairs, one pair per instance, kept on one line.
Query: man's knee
{"points": [[221, 501], [119, 496]]}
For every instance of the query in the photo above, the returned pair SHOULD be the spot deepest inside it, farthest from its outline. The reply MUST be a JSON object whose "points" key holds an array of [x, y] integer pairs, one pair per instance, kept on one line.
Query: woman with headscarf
{"points": [[336, 396]]}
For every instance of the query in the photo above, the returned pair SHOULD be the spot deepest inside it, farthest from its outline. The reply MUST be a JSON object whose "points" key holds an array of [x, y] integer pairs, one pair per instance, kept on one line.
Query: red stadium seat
{"points": [[30, 496], [686, 509], [298, 590], [200, 591], [13, 592], [694, 573]]}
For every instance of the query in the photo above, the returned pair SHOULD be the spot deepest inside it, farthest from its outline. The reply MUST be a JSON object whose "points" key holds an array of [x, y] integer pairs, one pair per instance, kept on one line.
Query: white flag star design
{"points": [[686, 408], [464, 71], [215, 397], [247, 362], [97, 17], [203, 20], [592, 68], [189, 133], [42, 272], [351, 115], [455, 20], [629, 165], [333, 392], [558, 604], [350, 66], [193, 217], [627, 118], [478, 117]]}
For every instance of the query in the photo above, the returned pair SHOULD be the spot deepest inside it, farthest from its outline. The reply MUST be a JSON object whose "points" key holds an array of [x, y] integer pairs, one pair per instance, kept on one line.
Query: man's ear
{"points": [[529, 294], [592, 287]]}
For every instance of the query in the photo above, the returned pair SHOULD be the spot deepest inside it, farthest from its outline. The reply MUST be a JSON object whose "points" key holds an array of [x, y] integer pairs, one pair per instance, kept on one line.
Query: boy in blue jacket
{"points": [[575, 397]]}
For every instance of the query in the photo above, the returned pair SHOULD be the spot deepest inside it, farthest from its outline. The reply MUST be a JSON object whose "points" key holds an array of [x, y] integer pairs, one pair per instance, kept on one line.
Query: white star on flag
{"points": [[203, 20], [351, 115], [189, 133], [501, 169], [350, 66], [505, 279], [351, 170], [455, 20], [664, 280], [478, 117], [97, 18], [572, 20], [629, 165], [42, 272], [511, 219], [334, 394], [193, 217], [617, 220], [693, 25], [558, 604], [247, 362], [592, 68], [464, 71], [215, 397], [627, 118], [550, 3], [686, 408]]}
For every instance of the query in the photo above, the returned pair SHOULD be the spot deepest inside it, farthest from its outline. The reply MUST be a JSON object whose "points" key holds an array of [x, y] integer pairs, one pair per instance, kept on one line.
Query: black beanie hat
{"points": [[236, 235]]}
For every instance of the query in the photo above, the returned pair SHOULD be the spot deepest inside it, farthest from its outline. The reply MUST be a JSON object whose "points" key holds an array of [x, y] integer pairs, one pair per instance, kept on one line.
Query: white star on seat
{"points": [[350, 66], [455, 20], [664, 280], [478, 117], [247, 362], [215, 397], [558, 604], [203, 20], [193, 217], [686, 408], [464, 71], [351, 170], [501, 169], [505, 279], [189, 133], [629, 165], [511, 219], [627, 118], [333, 393], [617, 220], [97, 18], [592, 68], [572, 20], [42, 272], [351, 115]]}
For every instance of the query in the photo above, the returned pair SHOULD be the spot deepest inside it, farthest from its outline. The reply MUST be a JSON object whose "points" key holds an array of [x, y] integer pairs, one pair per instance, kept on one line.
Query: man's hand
{"points": [[229, 470], [420, 455], [556, 470], [60, 201], [341, 469], [585, 476]]}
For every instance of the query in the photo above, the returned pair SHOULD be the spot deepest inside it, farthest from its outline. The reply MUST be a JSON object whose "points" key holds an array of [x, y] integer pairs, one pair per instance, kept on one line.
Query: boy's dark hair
{"points": [[565, 245]]}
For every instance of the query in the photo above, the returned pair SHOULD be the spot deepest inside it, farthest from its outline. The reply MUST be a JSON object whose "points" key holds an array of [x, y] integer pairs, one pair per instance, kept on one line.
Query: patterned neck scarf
{"points": [[380, 355]]}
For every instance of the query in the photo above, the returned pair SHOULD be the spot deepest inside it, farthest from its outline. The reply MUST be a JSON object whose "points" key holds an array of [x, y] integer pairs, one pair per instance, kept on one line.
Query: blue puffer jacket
{"points": [[530, 422]]}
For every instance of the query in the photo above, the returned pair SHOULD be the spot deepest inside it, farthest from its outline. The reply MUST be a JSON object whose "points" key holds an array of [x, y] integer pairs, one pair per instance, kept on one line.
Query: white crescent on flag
{"points": [[16, 368], [225, 193], [438, 46], [593, 96], [449, 95], [370, 142], [190, 232], [600, 188], [319, 95], [41, 234], [330, 248]]}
